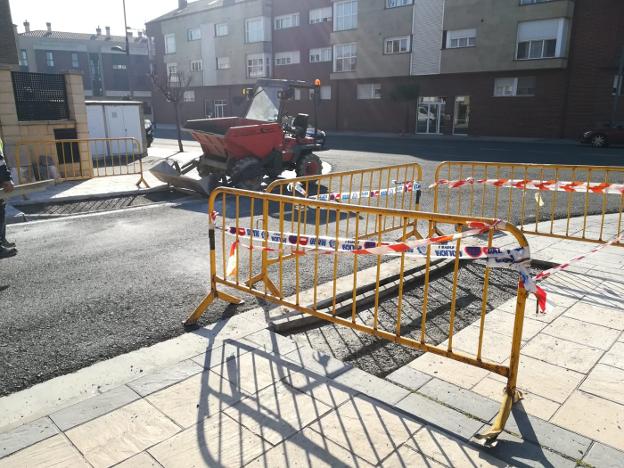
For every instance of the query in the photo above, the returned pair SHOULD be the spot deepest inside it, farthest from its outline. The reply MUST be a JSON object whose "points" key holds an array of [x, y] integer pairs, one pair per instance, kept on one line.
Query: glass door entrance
{"points": [[462, 115], [430, 111]]}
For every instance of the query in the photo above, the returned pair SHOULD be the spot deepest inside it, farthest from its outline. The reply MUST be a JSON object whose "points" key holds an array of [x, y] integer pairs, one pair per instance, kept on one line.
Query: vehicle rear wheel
{"points": [[247, 174], [599, 141], [309, 165]]}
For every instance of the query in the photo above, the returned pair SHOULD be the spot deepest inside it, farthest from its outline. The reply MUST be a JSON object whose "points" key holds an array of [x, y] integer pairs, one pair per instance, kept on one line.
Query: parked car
{"points": [[149, 132], [604, 136]]}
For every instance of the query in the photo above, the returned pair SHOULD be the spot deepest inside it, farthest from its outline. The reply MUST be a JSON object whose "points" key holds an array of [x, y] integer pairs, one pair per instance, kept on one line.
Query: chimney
{"points": [[26, 26], [49, 26], [98, 31], [108, 32], [182, 4]]}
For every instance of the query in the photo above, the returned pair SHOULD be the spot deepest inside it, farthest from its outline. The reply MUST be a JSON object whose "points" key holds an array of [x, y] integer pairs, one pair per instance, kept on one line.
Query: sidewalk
{"points": [[234, 393]]}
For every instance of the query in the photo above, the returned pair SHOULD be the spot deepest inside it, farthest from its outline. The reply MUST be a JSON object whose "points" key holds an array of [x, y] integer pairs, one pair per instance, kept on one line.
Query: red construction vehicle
{"points": [[240, 151]]}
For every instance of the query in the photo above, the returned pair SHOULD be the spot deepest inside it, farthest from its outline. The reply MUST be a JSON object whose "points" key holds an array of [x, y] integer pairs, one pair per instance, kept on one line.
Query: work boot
{"points": [[6, 253], [6, 244]]}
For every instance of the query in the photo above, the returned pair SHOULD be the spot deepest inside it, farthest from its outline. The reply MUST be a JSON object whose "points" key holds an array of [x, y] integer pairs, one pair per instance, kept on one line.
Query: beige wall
{"points": [[376, 23], [26, 141], [496, 22]]}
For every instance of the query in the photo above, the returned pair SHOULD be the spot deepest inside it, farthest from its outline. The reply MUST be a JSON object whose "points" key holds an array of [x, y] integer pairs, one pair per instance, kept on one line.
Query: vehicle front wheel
{"points": [[247, 174], [309, 165], [599, 141]]}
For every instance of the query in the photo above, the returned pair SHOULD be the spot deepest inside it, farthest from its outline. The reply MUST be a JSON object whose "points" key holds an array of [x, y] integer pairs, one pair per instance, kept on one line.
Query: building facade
{"points": [[100, 58], [525, 68], [8, 49]]}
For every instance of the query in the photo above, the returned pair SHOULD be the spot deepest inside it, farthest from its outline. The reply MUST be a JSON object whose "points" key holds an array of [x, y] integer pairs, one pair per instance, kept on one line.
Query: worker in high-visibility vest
{"points": [[7, 249]]}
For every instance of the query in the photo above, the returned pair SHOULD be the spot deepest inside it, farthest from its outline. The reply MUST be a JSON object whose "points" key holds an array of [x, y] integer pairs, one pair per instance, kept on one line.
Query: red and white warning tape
{"points": [[542, 185], [402, 187]]}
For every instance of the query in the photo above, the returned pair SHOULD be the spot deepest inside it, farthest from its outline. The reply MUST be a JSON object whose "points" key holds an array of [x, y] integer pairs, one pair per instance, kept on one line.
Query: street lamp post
{"points": [[127, 51]]}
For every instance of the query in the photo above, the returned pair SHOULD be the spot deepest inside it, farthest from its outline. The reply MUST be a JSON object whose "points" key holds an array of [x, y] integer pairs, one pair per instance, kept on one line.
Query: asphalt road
{"points": [[83, 289]]}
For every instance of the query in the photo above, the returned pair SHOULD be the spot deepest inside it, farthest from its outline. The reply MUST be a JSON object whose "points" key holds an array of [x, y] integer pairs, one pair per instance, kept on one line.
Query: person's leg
{"points": [[2, 222]]}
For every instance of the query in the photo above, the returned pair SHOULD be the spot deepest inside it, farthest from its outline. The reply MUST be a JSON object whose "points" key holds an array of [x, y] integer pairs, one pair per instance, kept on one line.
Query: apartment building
{"points": [[529, 68], [8, 50], [100, 57]]}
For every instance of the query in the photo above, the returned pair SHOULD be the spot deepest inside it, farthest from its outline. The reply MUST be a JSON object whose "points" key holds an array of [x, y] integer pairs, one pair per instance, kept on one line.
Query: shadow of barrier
{"points": [[584, 203], [78, 159], [255, 224], [389, 187]]}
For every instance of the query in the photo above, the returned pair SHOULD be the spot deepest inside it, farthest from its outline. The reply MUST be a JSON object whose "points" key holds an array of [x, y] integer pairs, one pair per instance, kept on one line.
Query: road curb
{"points": [[91, 197]]}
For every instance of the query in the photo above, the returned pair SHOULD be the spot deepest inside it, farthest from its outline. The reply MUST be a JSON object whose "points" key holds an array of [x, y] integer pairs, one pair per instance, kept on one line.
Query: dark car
{"points": [[149, 132], [604, 136]]}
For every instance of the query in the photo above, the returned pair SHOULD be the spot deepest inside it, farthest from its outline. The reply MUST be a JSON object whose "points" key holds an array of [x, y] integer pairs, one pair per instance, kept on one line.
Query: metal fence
{"points": [[77, 159], [40, 96], [250, 224], [562, 201]]}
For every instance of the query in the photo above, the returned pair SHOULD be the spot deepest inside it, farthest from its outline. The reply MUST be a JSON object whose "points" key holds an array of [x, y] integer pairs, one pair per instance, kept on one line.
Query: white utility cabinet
{"points": [[116, 121]]}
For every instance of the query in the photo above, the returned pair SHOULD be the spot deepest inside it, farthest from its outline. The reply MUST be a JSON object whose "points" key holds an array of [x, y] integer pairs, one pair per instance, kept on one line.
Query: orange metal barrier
{"points": [[252, 223], [562, 201], [78, 159]]}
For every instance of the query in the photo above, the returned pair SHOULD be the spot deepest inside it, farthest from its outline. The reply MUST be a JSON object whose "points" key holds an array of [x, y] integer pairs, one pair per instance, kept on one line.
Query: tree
{"points": [[407, 93], [173, 86]]}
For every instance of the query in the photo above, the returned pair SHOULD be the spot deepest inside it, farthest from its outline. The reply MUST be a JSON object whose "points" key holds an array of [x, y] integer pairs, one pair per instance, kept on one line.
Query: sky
{"points": [[86, 15]]}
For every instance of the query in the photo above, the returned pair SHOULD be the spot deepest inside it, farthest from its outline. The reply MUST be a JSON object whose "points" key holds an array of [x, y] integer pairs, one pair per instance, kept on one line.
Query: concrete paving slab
{"points": [[308, 449], [455, 372], [164, 378], [595, 336], [440, 417], [93, 407], [216, 441], [563, 353], [602, 456], [546, 434], [606, 382], [196, 398], [598, 315], [325, 390], [495, 348], [451, 451], [319, 363], [142, 460], [26, 435], [272, 342], [408, 456], [277, 412], [372, 386], [615, 356], [53, 452], [121, 434], [530, 404], [593, 417], [461, 399], [217, 356], [366, 427], [409, 377], [518, 452]]}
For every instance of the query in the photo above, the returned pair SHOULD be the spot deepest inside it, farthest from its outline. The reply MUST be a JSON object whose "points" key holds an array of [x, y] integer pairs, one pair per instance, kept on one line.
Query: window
{"points": [[345, 15], [219, 107], [172, 72], [618, 85], [320, 15], [398, 3], [397, 45], [323, 54], [533, 2], [257, 65], [49, 59], [461, 38], [23, 58], [507, 87], [197, 65], [297, 94], [287, 58], [119, 66], [189, 96], [193, 34], [541, 39], [369, 91], [254, 30], [325, 93], [286, 21], [345, 57], [170, 44], [221, 29], [75, 61], [223, 63]]}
